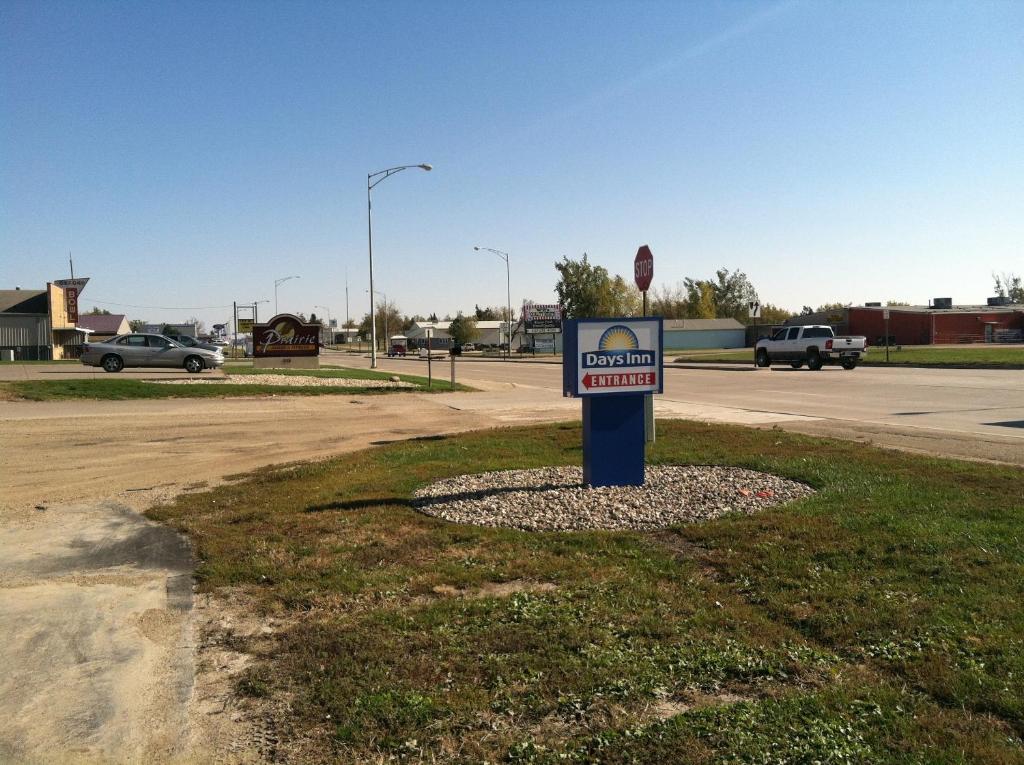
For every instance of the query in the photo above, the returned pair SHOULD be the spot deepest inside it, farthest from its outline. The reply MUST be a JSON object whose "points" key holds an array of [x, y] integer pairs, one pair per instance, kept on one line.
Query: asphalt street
{"points": [[972, 413]]}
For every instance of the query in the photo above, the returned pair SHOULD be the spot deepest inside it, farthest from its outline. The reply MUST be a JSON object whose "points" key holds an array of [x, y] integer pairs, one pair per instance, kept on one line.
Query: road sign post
{"points": [[643, 271], [613, 364], [885, 315]]}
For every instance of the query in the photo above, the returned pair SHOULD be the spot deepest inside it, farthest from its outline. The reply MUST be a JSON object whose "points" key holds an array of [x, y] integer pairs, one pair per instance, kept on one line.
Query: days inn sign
{"points": [[613, 365], [613, 356]]}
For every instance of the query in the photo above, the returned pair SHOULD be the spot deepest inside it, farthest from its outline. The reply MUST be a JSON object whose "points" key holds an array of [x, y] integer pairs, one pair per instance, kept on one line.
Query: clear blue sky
{"points": [[190, 153]]}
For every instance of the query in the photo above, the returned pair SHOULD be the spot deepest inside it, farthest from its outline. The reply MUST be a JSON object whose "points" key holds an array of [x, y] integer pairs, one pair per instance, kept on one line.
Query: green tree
{"points": [[96, 311], [668, 302], [580, 287], [733, 294], [700, 299], [826, 307], [1009, 286], [771, 314], [895, 302], [485, 314], [620, 298], [463, 329], [586, 291], [136, 325]]}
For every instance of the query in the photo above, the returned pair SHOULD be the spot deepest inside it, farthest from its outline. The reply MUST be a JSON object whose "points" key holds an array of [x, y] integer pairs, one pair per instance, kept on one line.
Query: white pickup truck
{"points": [[814, 345]]}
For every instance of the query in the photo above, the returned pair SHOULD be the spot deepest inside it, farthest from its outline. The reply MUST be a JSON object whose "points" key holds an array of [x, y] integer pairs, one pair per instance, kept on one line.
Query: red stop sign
{"points": [[643, 268]]}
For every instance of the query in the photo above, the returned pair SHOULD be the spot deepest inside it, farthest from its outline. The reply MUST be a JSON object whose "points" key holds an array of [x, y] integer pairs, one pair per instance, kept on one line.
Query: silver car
{"points": [[140, 350]]}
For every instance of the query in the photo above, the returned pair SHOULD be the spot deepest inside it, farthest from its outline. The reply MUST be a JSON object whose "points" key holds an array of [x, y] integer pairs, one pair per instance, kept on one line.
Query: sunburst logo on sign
{"points": [[618, 338]]}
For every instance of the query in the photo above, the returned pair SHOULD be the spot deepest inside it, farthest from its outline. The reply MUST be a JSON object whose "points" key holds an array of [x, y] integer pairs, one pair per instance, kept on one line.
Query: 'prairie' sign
{"points": [[285, 335]]}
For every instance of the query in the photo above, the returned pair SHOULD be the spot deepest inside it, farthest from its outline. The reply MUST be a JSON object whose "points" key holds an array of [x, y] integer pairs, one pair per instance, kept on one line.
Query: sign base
{"points": [[613, 440]]}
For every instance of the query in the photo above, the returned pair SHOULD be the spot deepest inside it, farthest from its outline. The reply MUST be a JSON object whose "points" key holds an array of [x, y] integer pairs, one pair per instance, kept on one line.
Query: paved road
{"points": [[973, 413]]}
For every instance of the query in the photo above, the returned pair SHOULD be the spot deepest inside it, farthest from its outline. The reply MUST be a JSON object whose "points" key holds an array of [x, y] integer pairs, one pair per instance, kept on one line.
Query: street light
{"points": [[380, 175], [374, 319], [508, 294], [278, 283]]}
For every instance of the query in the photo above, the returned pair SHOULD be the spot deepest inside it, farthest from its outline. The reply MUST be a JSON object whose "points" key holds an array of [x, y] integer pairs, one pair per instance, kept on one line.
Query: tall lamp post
{"points": [[330, 330], [374, 318], [508, 293], [278, 283], [372, 180]]}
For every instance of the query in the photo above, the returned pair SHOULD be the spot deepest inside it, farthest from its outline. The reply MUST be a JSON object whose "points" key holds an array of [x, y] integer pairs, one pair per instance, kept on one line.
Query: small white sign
{"points": [[754, 310], [885, 314], [618, 356]]}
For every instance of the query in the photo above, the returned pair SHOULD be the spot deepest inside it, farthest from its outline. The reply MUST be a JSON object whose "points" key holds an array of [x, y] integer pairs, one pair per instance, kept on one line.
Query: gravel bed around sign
{"points": [[292, 380], [555, 499]]}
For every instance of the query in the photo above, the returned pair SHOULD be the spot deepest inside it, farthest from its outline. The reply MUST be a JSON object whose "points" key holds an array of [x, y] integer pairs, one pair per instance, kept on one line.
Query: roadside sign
{"points": [[613, 365], [613, 356], [78, 284], [245, 325], [885, 314], [285, 335], [542, 319], [643, 268], [754, 310], [72, 289]]}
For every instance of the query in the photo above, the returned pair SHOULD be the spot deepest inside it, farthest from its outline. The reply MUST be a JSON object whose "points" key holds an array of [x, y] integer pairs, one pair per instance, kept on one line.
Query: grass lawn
{"points": [[111, 387], [879, 621], [966, 356]]}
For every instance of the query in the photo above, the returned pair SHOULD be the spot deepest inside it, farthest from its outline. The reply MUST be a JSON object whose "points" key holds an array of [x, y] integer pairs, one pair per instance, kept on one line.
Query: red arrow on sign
{"points": [[620, 380], [643, 268]]}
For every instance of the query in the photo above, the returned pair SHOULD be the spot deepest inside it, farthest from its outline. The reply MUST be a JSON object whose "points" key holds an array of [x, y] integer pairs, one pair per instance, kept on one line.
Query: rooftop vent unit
{"points": [[999, 300], [942, 302], [872, 305]]}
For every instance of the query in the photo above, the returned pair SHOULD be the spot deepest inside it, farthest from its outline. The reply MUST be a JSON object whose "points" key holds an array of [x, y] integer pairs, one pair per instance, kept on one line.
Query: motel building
{"points": [[34, 326]]}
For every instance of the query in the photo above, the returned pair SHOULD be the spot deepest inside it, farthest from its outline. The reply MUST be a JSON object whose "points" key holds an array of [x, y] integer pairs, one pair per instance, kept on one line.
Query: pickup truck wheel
{"points": [[796, 364], [761, 358], [814, 361], [849, 364]]}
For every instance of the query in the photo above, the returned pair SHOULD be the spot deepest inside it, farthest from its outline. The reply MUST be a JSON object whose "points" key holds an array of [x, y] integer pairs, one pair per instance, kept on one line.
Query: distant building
{"points": [[938, 324], [704, 333], [104, 326], [189, 330], [34, 326]]}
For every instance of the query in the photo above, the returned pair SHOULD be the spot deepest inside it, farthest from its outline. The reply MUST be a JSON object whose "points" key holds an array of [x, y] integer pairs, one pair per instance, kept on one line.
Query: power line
{"points": [[162, 307]]}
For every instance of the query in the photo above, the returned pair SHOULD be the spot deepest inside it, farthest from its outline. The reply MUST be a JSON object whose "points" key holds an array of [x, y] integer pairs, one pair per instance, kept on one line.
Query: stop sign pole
{"points": [[643, 271]]}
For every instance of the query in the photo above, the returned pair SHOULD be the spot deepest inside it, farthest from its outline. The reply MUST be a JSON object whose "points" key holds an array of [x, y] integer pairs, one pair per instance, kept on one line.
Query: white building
{"points": [[488, 333]]}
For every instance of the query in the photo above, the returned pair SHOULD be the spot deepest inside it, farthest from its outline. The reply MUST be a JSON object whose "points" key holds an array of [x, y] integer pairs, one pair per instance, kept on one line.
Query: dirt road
{"points": [[94, 599]]}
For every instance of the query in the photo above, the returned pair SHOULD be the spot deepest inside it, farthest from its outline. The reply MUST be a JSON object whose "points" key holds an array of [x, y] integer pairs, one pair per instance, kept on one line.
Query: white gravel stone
{"points": [[555, 499], [293, 380]]}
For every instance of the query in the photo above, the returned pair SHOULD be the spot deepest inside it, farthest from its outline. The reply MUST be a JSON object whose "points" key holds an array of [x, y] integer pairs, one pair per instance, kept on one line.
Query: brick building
{"points": [[926, 325]]}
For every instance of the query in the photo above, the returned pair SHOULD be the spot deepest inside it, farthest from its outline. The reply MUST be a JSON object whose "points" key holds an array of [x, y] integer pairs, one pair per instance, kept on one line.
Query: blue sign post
{"points": [[611, 364]]}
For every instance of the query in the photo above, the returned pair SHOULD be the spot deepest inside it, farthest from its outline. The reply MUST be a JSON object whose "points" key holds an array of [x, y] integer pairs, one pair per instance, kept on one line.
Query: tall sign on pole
{"points": [[643, 271], [72, 289]]}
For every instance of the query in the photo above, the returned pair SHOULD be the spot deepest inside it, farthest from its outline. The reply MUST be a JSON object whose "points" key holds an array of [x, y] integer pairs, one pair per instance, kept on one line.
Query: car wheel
{"points": [[814, 361], [796, 364], [761, 358], [112, 363], [849, 364], [194, 364]]}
